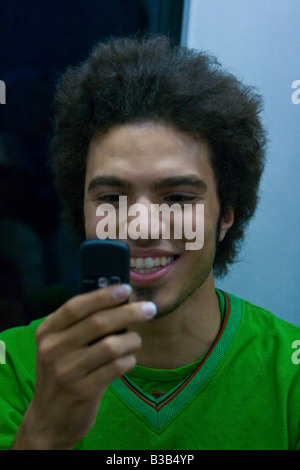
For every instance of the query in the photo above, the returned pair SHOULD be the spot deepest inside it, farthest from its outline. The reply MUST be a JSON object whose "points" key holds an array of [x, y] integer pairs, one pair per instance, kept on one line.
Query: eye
{"points": [[180, 198], [108, 198]]}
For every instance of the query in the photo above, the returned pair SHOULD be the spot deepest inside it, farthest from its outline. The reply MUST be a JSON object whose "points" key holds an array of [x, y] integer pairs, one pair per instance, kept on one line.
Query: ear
{"points": [[226, 222]]}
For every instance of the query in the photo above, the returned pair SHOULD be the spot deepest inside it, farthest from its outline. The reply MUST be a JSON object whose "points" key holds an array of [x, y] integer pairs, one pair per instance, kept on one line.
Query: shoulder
{"points": [[21, 331], [271, 324], [259, 317], [269, 339], [19, 341]]}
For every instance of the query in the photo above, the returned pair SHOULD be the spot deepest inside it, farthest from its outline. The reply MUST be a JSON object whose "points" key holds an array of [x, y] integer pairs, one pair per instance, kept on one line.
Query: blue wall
{"points": [[259, 41]]}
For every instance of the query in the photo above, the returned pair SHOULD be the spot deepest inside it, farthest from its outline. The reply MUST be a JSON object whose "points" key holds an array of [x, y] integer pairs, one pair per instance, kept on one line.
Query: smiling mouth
{"points": [[149, 264]]}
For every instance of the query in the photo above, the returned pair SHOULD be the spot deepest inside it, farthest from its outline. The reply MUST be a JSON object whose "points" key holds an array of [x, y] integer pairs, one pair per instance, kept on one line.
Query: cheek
{"points": [[194, 221]]}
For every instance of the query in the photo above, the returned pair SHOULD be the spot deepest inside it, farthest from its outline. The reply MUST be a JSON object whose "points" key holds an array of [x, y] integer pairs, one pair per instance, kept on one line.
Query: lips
{"points": [[150, 264], [151, 268]]}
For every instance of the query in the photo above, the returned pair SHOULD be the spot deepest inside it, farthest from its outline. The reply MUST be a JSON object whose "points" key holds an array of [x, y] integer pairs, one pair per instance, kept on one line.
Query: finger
{"points": [[81, 363], [96, 326], [77, 308], [99, 379], [108, 322]]}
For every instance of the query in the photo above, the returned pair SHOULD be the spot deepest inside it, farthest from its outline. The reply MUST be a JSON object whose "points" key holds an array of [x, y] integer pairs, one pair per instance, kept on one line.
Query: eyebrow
{"points": [[189, 180], [114, 181]]}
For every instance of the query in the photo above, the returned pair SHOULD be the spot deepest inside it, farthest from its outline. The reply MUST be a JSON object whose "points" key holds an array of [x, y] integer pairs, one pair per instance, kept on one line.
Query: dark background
{"points": [[38, 40]]}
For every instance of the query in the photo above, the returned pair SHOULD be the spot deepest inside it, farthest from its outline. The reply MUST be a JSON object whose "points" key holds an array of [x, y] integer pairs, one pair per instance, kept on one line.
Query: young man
{"points": [[196, 368]]}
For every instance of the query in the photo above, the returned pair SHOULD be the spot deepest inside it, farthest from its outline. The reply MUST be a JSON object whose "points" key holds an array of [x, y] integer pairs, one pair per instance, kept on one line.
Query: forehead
{"points": [[147, 151]]}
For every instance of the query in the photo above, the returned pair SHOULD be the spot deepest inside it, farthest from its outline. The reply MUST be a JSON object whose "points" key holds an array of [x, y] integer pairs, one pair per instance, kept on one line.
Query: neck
{"points": [[184, 335]]}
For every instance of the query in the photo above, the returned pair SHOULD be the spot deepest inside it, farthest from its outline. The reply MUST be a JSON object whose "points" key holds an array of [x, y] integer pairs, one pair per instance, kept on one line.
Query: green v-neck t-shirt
{"points": [[158, 382], [244, 393]]}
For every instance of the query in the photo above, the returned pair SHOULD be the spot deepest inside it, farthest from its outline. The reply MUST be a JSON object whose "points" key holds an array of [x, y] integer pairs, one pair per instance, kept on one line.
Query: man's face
{"points": [[155, 164]]}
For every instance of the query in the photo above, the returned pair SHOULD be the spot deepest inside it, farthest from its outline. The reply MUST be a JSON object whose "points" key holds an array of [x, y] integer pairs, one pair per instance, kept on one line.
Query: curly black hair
{"points": [[142, 79]]}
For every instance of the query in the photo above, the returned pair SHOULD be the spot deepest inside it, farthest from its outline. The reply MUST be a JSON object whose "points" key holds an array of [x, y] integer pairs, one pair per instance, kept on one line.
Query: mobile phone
{"points": [[102, 263]]}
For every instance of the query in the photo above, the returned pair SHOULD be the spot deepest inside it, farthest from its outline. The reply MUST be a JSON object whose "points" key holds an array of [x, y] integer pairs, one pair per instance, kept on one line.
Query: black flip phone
{"points": [[102, 263]]}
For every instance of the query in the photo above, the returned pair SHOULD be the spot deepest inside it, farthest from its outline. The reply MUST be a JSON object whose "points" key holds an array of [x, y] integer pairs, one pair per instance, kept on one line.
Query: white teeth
{"points": [[139, 263], [149, 263], [146, 265]]}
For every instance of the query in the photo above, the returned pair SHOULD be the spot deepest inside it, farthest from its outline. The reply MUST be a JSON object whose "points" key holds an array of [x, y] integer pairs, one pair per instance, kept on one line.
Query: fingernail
{"points": [[123, 291], [149, 309]]}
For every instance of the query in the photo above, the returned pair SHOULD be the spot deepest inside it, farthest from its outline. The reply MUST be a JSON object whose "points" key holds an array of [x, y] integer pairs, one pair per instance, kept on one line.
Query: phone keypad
{"points": [[104, 281]]}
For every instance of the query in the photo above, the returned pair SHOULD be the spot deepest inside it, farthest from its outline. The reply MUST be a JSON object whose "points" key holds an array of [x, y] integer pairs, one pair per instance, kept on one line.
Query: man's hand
{"points": [[79, 352]]}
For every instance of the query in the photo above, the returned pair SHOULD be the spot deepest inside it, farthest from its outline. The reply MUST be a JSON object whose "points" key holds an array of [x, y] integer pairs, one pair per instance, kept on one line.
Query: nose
{"points": [[147, 220], [139, 219]]}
